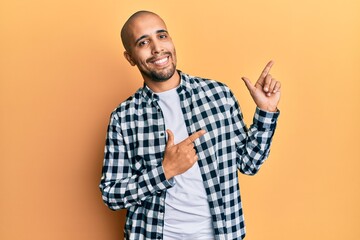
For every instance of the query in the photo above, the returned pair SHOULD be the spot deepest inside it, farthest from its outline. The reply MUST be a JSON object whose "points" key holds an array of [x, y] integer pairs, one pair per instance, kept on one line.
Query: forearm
{"points": [[255, 142], [124, 190]]}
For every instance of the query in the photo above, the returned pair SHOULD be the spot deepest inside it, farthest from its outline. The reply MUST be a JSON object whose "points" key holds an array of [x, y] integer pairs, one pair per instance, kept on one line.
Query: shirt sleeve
{"points": [[121, 185], [253, 144]]}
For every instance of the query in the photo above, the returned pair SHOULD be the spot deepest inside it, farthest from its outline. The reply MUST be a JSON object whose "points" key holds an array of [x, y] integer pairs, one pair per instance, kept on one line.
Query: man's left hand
{"points": [[266, 92]]}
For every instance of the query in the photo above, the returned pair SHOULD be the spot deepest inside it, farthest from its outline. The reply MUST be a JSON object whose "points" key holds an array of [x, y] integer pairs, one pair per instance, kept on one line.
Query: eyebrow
{"points": [[145, 36]]}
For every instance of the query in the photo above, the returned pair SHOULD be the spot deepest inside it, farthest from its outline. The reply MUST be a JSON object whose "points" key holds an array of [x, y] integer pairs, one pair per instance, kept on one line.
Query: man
{"points": [[173, 148]]}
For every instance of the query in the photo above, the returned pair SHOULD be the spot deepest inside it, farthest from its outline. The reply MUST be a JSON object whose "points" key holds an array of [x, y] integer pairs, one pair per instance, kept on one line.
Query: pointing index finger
{"points": [[195, 136], [265, 72]]}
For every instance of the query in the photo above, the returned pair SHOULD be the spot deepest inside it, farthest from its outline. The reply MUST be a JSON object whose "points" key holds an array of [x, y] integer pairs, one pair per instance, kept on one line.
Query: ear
{"points": [[128, 57]]}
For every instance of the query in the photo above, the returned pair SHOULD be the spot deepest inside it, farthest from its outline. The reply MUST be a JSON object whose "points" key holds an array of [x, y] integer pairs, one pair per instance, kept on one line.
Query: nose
{"points": [[156, 47]]}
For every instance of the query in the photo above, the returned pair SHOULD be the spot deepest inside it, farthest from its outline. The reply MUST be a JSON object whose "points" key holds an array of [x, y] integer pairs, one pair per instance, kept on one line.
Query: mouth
{"points": [[161, 61]]}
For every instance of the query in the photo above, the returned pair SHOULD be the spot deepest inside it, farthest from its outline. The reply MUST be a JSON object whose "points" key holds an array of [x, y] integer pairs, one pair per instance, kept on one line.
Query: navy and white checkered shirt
{"points": [[133, 176]]}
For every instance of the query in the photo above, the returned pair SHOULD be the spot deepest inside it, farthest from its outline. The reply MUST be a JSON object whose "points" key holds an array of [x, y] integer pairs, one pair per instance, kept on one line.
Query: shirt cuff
{"points": [[264, 120], [158, 180]]}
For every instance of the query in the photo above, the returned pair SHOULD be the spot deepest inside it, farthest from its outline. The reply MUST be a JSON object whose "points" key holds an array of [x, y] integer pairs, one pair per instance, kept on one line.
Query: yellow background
{"points": [[63, 72]]}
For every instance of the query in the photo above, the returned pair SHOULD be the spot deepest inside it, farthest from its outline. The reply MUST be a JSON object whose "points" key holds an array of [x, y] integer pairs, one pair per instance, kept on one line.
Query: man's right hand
{"points": [[180, 157]]}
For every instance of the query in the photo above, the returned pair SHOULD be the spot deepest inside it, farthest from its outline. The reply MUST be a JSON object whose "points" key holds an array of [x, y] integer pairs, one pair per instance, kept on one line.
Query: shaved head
{"points": [[126, 29], [148, 46]]}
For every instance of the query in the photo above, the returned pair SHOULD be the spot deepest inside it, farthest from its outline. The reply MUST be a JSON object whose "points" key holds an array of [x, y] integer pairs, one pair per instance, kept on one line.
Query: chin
{"points": [[161, 76]]}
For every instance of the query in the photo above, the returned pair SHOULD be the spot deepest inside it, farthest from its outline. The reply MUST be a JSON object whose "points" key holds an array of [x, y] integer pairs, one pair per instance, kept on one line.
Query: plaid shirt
{"points": [[133, 176]]}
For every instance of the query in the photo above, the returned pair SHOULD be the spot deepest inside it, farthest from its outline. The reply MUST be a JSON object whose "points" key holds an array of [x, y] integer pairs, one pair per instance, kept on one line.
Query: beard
{"points": [[160, 75]]}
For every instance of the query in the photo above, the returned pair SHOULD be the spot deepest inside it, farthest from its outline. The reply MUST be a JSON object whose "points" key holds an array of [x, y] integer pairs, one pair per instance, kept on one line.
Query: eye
{"points": [[162, 36], [143, 43]]}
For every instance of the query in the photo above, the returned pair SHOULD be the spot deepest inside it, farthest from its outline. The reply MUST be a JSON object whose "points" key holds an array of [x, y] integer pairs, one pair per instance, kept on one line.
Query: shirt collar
{"points": [[185, 87]]}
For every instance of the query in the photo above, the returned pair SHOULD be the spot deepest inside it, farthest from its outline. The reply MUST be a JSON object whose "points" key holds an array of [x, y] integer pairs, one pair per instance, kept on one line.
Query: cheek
{"points": [[174, 55], [141, 58], [170, 46]]}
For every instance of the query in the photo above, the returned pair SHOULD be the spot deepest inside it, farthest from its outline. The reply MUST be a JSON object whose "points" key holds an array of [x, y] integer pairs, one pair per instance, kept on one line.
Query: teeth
{"points": [[161, 61]]}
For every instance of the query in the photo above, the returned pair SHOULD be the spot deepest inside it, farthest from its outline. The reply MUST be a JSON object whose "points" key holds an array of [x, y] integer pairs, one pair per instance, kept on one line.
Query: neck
{"points": [[157, 87]]}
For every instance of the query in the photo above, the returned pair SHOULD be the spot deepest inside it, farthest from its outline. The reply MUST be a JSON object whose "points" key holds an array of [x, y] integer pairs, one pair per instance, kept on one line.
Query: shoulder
{"points": [[209, 86], [128, 106]]}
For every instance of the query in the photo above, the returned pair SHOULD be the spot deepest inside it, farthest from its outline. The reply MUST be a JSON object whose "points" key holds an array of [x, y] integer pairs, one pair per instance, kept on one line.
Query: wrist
{"points": [[272, 109], [167, 172], [268, 109]]}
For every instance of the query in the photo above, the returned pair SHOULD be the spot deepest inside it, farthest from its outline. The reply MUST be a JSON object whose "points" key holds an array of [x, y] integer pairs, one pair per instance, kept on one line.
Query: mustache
{"points": [[160, 55]]}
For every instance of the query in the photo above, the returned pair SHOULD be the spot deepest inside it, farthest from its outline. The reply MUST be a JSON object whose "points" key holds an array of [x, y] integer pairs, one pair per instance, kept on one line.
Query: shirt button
{"points": [[162, 134], [161, 210]]}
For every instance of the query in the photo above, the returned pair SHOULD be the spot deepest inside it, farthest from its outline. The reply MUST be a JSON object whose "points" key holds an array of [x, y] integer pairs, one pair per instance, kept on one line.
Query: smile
{"points": [[161, 61]]}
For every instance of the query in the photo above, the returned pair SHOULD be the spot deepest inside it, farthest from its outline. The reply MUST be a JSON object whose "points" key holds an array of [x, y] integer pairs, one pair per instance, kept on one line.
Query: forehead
{"points": [[146, 24]]}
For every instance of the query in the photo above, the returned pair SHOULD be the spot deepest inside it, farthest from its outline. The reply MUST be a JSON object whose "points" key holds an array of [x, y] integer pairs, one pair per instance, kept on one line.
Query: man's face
{"points": [[150, 48]]}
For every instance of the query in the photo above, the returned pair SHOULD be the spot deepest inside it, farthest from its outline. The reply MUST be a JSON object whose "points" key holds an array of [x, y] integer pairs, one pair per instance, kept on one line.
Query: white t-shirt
{"points": [[187, 212]]}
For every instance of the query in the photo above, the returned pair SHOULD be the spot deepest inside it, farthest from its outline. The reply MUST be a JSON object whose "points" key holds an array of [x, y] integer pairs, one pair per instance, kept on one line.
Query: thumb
{"points": [[170, 141], [248, 83]]}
